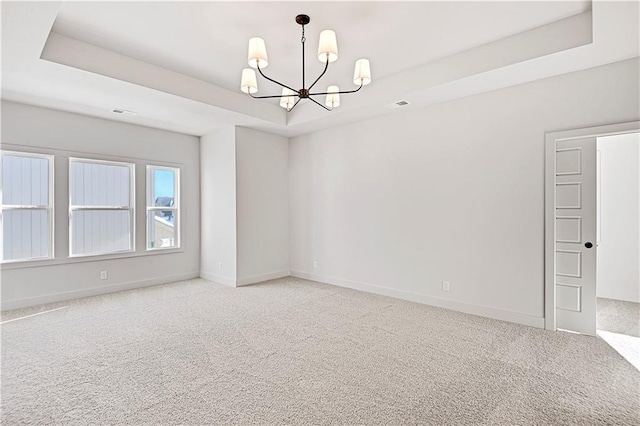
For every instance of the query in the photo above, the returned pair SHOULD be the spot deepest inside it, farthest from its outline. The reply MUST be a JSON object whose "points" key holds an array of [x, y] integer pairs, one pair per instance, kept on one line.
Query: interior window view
{"points": [[26, 206], [162, 212], [100, 207], [322, 213]]}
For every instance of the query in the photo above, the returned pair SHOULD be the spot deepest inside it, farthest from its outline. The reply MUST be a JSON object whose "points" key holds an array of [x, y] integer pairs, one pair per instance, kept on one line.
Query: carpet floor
{"points": [[296, 352], [618, 316]]}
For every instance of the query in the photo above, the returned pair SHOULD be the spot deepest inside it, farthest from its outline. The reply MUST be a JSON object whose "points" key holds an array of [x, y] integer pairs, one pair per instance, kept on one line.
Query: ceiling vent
{"points": [[123, 111], [397, 104]]}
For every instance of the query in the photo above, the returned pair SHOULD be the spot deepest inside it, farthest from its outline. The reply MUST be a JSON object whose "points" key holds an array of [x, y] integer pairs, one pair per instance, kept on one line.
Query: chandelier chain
{"points": [[303, 39]]}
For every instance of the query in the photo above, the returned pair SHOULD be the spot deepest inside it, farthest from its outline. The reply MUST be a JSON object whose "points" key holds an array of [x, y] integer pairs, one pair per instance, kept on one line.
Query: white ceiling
{"points": [[178, 63], [208, 41]]}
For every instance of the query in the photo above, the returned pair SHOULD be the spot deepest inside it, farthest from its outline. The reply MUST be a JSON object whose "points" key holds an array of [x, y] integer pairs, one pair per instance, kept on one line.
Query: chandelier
{"points": [[327, 53]]}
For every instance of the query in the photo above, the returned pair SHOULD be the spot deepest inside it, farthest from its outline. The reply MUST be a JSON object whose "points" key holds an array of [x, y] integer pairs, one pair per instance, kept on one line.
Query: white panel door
{"points": [[576, 235]]}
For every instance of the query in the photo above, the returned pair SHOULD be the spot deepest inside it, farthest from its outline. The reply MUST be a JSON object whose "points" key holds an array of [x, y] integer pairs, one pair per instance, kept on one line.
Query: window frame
{"points": [[150, 185], [131, 208], [49, 208]]}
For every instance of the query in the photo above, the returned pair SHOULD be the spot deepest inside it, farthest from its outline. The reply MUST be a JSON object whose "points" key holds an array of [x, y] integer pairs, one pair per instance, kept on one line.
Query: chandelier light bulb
{"points": [[287, 99], [249, 82], [362, 73], [328, 46], [333, 97], [257, 53]]}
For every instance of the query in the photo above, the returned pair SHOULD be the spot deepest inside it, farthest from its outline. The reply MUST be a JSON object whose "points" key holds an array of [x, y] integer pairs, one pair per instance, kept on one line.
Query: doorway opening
{"points": [[592, 205], [618, 242]]}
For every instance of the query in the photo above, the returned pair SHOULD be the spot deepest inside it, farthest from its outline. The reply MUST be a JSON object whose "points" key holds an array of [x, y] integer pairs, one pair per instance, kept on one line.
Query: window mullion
{"points": [[16, 207]]}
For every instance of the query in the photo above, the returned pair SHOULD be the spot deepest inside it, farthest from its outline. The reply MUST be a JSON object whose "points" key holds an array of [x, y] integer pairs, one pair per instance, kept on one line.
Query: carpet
{"points": [[296, 352], [618, 316]]}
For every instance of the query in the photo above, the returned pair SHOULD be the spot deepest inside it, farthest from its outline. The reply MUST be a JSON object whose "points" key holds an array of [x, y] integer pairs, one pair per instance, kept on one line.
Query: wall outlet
{"points": [[103, 275], [219, 266], [315, 264], [445, 285]]}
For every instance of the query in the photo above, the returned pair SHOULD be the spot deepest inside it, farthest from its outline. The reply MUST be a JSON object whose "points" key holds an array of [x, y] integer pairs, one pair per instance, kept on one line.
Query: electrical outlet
{"points": [[445, 285], [219, 266], [103, 275], [315, 264]]}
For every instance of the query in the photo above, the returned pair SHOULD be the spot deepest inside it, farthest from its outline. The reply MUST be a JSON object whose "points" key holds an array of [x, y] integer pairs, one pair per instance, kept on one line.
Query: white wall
{"points": [[452, 192], [618, 271], [218, 197], [263, 205], [64, 134], [245, 208]]}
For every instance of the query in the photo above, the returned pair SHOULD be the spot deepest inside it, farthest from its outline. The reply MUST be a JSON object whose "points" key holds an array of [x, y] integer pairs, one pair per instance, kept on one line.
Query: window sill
{"points": [[18, 261], [86, 258], [157, 249]]}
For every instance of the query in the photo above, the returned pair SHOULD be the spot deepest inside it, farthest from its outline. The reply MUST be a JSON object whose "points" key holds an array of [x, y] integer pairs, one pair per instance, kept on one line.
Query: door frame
{"points": [[550, 204]]}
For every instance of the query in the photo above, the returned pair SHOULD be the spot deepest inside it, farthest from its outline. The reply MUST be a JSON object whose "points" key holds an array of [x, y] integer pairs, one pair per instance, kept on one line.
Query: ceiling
{"points": [[208, 41], [178, 64]]}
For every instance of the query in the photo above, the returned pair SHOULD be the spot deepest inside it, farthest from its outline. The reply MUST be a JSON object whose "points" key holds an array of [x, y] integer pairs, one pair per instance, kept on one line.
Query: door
{"points": [[576, 235]]}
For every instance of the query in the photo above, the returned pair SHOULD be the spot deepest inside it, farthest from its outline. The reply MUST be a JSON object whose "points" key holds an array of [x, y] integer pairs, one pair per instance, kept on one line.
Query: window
{"points": [[26, 186], [101, 200], [163, 207]]}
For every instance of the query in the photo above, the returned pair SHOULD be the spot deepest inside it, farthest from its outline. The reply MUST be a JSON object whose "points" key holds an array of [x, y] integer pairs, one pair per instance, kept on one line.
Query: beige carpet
{"points": [[618, 316], [291, 351]]}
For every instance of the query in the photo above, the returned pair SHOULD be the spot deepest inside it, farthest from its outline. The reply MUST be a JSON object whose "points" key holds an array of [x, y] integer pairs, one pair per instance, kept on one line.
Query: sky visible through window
{"points": [[164, 183]]}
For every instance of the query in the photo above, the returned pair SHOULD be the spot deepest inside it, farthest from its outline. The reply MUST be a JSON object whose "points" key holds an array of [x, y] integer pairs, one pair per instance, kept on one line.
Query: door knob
{"points": [[588, 245]]}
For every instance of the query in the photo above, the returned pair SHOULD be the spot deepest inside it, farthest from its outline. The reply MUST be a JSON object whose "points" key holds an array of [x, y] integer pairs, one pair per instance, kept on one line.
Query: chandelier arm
{"points": [[326, 66], [269, 96], [328, 109], [276, 82], [294, 105], [337, 93]]}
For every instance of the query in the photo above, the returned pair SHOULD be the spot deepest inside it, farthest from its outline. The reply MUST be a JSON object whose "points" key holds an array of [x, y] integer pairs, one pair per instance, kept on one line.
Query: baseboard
{"points": [[484, 311], [467, 308], [218, 278], [93, 291], [616, 298], [262, 277]]}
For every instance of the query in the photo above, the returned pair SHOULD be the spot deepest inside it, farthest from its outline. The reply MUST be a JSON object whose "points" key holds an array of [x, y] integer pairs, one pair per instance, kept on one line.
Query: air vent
{"points": [[123, 111], [397, 104]]}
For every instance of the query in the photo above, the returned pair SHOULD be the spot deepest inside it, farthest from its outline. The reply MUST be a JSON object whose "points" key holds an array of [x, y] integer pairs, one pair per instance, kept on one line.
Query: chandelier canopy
{"points": [[327, 53]]}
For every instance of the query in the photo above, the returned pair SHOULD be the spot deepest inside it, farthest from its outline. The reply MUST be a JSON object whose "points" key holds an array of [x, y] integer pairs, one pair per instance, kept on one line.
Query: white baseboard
{"points": [[262, 277], [484, 311], [467, 308], [243, 281], [218, 278], [93, 291]]}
